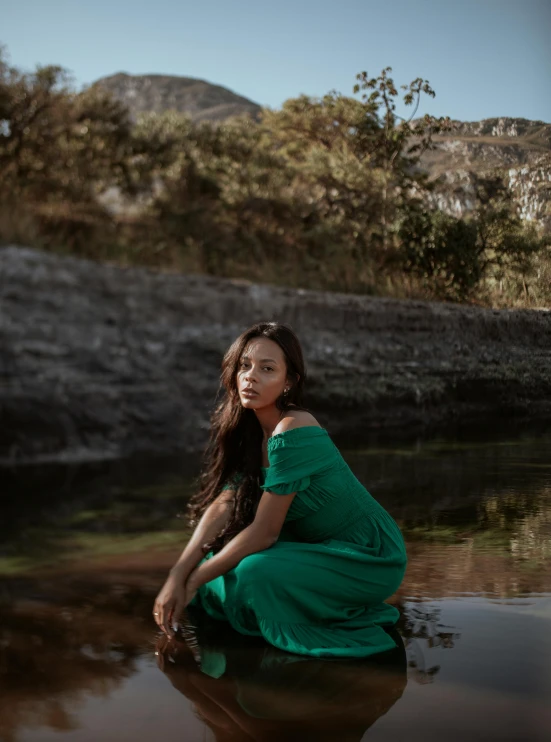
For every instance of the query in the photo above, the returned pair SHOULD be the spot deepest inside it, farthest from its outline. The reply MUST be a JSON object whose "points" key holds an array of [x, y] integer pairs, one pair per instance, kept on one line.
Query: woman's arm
{"points": [[211, 523], [172, 596], [262, 533]]}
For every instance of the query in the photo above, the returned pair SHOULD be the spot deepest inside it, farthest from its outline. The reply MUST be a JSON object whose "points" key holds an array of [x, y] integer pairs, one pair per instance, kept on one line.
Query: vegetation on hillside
{"points": [[324, 193]]}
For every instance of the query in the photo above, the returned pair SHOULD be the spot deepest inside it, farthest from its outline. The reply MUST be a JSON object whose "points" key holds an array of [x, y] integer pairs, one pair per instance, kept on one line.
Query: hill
{"points": [[200, 99]]}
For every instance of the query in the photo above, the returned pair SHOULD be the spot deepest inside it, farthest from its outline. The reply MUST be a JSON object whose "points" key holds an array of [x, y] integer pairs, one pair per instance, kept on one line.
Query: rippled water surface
{"points": [[85, 549]]}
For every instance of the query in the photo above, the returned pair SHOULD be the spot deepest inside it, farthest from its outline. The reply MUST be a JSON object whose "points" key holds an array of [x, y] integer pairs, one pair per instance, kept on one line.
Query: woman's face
{"points": [[261, 369]]}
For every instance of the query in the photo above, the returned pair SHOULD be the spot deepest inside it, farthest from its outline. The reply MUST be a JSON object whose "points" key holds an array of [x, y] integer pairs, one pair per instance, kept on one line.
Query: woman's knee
{"points": [[254, 567]]}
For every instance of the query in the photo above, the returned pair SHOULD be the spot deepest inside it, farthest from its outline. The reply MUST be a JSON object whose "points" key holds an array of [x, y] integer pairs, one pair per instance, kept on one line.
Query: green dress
{"points": [[319, 590]]}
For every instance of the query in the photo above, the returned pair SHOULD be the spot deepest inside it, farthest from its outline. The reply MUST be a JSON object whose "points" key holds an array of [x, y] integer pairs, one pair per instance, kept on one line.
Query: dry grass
{"points": [[129, 241]]}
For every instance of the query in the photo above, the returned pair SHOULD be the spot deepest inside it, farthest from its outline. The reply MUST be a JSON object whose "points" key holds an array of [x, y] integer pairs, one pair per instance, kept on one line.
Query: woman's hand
{"points": [[175, 595]]}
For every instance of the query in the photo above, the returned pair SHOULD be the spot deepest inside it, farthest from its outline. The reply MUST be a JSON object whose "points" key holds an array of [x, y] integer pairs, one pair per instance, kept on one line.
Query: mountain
{"points": [[202, 100]]}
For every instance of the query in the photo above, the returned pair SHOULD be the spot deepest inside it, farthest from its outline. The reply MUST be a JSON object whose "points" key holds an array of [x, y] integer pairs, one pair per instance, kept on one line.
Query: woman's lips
{"points": [[249, 393]]}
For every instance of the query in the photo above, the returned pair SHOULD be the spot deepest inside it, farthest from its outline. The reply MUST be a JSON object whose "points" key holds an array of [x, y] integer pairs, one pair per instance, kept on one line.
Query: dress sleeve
{"points": [[293, 463]]}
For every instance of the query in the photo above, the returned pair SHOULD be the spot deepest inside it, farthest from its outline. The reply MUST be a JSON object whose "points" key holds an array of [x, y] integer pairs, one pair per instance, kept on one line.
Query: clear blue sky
{"points": [[483, 58]]}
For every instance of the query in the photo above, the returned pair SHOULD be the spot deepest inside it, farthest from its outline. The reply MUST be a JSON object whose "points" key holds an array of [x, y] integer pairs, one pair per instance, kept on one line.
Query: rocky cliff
{"points": [[519, 148], [100, 361]]}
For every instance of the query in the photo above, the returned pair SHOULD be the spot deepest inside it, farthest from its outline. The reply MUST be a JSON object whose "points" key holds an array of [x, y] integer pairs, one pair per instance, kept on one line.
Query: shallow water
{"points": [[85, 550]]}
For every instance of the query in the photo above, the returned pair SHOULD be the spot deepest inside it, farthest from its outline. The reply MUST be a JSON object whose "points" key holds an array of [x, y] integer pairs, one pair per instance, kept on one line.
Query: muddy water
{"points": [[85, 549]]}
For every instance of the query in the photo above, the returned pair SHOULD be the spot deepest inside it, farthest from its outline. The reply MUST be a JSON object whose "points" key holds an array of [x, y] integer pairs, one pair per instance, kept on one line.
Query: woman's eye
{"points": [[242, 364]]}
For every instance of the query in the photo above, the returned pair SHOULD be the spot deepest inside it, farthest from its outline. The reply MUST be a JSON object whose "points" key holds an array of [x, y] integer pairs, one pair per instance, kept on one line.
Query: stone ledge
{"points": [[103, 361]]}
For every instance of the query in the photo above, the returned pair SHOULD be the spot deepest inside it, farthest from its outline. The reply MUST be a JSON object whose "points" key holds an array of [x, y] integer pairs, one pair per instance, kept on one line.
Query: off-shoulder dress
{"points": [[320, 589]]}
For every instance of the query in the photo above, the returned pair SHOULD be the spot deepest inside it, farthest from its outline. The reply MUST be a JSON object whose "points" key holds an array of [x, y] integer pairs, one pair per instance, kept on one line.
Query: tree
{"points": [[57, 145], [454, 257], [397, 143], [440, 250], [506, 246]]}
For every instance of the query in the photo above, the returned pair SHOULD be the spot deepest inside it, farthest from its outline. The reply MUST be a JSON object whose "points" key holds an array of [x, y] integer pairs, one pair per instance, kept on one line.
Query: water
{"points": [[85, 550]]}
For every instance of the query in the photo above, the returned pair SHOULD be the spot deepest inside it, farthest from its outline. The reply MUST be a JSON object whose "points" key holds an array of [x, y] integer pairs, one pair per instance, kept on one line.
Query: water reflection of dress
{"points": [[247, 690], [319, 590]]}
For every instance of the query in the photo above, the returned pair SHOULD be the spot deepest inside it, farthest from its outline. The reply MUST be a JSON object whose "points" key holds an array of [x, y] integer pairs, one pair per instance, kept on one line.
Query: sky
{"points": [[483, 58]]}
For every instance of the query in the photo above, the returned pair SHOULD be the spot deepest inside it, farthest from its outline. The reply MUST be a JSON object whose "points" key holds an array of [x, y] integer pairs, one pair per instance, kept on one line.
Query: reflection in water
{"points": [[422, 630], [453, 570], [81, 638], [57, 650], [490, 498], [245, 689]]}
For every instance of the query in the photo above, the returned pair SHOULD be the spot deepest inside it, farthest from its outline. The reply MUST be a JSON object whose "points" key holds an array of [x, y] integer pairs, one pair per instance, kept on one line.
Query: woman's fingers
{"points": [[166, 616], [169, 605], [181, 605], [176, 615], [161, 614], [157, 613]]}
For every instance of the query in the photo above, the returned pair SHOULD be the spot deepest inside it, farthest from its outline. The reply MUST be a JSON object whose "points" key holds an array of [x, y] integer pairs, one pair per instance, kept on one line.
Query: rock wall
{"points": [[100, 361]]}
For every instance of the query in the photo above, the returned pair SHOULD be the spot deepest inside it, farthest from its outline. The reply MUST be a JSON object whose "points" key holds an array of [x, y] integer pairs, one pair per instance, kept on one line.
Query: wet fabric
{"points": [[320, 589]]}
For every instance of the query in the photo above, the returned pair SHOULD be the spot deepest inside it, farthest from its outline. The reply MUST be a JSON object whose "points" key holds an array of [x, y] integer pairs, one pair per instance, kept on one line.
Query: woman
{"points": [[290, 546]]}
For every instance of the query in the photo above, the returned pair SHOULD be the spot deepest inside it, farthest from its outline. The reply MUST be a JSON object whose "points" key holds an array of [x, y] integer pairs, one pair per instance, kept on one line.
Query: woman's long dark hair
{"points": [[235, 441]]}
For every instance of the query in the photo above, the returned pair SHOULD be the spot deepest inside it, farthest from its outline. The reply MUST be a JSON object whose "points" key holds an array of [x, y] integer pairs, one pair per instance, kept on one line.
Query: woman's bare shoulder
{"points": [[295, 419]]}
